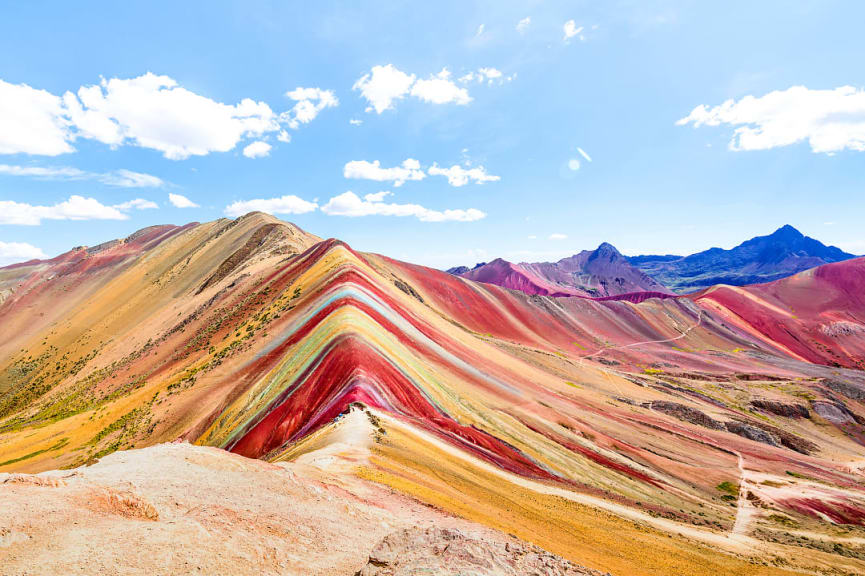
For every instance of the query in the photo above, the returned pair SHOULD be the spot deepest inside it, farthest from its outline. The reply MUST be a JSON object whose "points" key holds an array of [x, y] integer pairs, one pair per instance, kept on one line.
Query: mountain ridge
{"points": [[523, 404], [778, 255], [603, 272]]}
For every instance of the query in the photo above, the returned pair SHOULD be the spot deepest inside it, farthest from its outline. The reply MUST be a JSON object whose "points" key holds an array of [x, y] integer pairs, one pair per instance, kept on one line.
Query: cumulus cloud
{"points": [[75, 208], [289, 204], [149, 111], [119, 178], [257, 149], [830, 120], [351, 205], [155, 112], [309, 102], [440, 89], [557, 236], [524, 24], [383, 85], [571, 29], [410, 169], [12, 252], [377, 196], [459, 176], [181, 201], [33, 121]]}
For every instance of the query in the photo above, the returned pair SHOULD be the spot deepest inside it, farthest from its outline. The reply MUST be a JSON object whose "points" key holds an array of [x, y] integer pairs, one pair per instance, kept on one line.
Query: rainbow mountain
{"points": [[722, 431]]}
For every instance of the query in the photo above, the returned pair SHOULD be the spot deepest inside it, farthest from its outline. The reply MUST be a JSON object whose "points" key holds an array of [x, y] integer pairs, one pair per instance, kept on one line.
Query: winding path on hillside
{"points": [[644, 342]]}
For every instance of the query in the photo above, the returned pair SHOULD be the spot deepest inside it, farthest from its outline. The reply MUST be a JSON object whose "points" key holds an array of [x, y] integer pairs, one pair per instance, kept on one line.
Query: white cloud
{"points": [[119, 178], [480, 31], [309, 102], [258, 149], [355, 122], [155, 112], [283, 137], [181, 201], [440, 89], [149, 111], [43, 172], [377, 196], [289, 204], [459, 176], [489, 75], [411, 169], [362, 170], [583, 154], [384, 85], [523, 24], [136, 204], [351, 205], [75, 208], [12, 252], [571, 29], [33, 121], [130, 179], [557, 236], [830, 120]]}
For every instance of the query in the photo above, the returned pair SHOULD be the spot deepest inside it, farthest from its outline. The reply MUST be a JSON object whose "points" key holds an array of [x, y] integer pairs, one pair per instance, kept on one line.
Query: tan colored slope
{"points": [[110, 324], [609, 538], [586, 416], [181, 509]]}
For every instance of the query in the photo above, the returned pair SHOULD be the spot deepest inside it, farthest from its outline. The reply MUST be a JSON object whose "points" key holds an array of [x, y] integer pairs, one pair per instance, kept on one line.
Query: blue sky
{"points": [[528, 130]]}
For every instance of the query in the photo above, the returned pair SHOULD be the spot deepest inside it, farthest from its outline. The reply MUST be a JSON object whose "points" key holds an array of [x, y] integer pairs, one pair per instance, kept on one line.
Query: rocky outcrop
{"points": [[756, 431], [449, 551], [687, 414], [781, 408]]}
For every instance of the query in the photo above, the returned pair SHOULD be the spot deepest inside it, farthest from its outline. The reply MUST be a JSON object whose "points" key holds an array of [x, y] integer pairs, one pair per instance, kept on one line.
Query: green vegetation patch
{"points": [[730, 491]]}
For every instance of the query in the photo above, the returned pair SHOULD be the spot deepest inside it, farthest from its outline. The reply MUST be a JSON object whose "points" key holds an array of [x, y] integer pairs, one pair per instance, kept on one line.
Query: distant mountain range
{"points": [[762, 259], [605, 272], [609, 428], [594, 273]]}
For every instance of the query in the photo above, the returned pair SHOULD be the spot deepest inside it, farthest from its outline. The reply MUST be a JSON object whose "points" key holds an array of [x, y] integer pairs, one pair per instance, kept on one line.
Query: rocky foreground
{"points": [[179, 509]]}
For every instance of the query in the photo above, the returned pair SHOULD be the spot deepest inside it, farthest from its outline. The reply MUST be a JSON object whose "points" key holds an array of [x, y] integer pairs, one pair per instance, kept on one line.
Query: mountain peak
{"points": [[787, 232], [784, 252], [606, 247]]}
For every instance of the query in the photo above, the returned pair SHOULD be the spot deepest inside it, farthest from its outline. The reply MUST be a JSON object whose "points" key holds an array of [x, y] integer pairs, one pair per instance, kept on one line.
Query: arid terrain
{"points": [[241, 396]]}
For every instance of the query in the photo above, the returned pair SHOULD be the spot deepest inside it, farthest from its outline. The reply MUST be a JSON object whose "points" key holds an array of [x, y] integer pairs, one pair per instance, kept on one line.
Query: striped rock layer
{"points": [[255, 336]]}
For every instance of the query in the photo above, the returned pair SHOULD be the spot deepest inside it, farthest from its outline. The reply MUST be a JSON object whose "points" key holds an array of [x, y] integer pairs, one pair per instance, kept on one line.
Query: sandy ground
{"points": [[180, 509]]}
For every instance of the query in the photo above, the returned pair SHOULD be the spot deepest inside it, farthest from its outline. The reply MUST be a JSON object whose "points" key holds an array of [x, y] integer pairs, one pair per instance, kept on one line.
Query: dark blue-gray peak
{"points": [[762, 259], [460, 270]]}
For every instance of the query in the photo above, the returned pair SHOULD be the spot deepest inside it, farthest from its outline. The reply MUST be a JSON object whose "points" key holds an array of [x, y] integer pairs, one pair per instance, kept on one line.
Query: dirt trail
{"points": [[644, 342], [745, 510]]}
